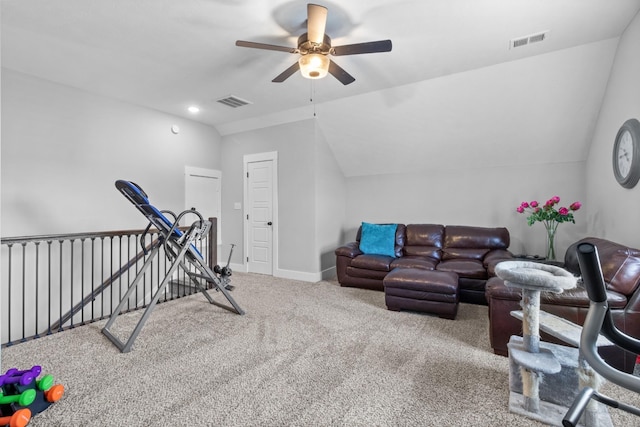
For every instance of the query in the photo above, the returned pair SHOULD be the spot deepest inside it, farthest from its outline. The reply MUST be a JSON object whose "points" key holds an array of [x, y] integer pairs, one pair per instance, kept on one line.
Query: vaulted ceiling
{"points": [[451, 90]]}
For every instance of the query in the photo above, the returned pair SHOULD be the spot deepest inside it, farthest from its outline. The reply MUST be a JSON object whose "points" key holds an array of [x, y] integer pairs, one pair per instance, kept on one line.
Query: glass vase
{"points": [[551, 243]]}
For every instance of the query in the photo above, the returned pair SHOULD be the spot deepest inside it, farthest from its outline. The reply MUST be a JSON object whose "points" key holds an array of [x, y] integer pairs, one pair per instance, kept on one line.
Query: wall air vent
{"points": [[523, 41], [233, 101]]}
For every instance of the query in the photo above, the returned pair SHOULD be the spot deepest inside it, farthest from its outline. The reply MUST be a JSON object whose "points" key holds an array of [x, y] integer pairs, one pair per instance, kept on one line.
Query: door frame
{"points": [[208, 173], [261, 157]]}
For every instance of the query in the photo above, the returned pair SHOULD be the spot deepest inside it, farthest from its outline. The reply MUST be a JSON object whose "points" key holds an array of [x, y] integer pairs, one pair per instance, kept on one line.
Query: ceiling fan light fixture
{"points": [[314, 65]]}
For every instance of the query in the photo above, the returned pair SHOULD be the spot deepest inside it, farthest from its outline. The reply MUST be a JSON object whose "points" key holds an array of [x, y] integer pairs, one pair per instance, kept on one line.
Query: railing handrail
{"points": [[114, 233], [75, 236]]}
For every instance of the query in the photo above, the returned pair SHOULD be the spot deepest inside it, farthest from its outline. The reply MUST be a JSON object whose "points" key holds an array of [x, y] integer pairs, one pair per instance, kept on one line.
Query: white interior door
{"points": [[261, 212], [260, 217], [203, 192]]}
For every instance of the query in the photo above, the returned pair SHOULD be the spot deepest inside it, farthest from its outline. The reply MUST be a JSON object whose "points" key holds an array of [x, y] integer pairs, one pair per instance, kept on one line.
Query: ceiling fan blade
{"points": [[255, 45], [316, 22], [286, 73], [355, 49], [340, 74]]}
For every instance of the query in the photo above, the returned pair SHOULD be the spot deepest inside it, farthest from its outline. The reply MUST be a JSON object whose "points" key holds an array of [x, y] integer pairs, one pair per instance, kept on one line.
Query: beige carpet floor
{"points": [[305, 354]]}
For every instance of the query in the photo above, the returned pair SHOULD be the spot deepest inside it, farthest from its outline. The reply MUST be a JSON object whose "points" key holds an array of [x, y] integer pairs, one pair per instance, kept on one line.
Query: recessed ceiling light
{"points": [[193, 109]]}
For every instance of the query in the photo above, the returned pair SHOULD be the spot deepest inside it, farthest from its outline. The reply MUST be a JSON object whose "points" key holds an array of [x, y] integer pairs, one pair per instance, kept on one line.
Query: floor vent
{"points": [[523, 41], [233, 101]]}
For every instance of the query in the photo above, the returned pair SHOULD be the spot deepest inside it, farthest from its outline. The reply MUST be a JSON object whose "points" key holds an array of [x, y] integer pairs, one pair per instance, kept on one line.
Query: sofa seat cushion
{"points": [[470, 268], [414, 262], [492, 260], [364, 273], [373, 262]]}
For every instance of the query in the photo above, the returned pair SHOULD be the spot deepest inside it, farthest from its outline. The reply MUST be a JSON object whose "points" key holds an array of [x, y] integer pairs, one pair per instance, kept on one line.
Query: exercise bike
{"points": [[599, 321]]}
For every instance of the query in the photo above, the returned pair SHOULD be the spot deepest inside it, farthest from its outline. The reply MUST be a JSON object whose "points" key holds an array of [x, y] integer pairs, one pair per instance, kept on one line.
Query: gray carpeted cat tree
{"points": [[535, 361]]}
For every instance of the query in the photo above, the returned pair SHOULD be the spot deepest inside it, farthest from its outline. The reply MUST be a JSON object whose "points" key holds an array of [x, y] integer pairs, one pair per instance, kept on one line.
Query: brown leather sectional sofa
{"points": [[471, 252], [621, 272]]}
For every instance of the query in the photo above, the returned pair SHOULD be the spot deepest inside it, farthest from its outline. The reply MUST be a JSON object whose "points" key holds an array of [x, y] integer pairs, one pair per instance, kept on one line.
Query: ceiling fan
{"points": [[314, 46]]}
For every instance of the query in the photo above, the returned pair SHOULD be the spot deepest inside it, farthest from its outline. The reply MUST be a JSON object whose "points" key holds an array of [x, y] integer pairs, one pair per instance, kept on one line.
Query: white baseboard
{"points": [[306, 277], [329, 273], [240, 268], [292, 274], [297, 275]]}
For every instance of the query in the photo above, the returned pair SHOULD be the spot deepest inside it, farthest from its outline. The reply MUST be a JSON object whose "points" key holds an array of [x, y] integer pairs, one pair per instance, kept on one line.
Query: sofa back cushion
{"points": [[467, 253], [473, 242], [424, 240], [400, 238], [620, 264]]}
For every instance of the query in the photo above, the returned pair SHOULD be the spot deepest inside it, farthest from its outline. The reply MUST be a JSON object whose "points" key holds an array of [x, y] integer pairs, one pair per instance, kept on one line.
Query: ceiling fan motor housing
{"points": [[306, 46]]}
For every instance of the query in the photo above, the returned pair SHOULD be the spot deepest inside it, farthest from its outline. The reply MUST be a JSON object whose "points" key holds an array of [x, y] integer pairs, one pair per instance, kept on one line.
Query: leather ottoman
{"points": [[426, 291]]}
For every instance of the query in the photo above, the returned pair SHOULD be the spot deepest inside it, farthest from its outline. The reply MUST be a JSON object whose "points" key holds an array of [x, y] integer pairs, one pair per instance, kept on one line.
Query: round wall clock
{"points": [[626, 154]]}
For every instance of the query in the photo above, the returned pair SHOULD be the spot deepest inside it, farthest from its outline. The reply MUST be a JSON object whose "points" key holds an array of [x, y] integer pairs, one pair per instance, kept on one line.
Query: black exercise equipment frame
{"points": [[180, 250]]}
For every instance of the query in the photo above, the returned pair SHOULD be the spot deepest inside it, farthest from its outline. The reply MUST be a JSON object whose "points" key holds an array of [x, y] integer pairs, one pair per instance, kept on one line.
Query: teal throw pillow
{"points": [[379, 239]]}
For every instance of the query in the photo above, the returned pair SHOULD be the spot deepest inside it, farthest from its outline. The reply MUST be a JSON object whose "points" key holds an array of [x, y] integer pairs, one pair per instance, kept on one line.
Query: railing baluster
{"points": [[60, 242], [71, 281], [49, 287], [37, 289], [9, 279], [93, 275], [82, 278], [144, 286], [102, 274], [129, 270], [111, 273], [24, 289]]}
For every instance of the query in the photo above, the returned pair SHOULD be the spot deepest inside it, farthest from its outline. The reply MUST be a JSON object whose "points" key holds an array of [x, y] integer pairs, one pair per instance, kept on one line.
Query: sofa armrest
{"points": [[350, 250], [493, 257], [575, 297]]}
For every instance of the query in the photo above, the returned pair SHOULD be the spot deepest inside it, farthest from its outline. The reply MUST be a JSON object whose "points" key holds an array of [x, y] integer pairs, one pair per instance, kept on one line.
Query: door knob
{"points": [[269, 223]]}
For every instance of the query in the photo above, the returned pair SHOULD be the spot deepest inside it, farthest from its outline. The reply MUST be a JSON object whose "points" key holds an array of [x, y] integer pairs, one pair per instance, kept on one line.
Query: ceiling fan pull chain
{"points": [[312, 96]]}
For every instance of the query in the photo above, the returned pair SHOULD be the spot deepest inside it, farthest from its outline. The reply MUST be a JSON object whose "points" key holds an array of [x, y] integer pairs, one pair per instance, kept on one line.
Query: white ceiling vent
{"points": [[523, 41], [233, 101]]}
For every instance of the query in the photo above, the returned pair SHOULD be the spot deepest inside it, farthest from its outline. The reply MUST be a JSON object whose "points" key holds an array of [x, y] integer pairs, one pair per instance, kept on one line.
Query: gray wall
{"points": [[613, 211], [294, 143], [331, 204], [311, 195], [63, 149], [486, 197]]}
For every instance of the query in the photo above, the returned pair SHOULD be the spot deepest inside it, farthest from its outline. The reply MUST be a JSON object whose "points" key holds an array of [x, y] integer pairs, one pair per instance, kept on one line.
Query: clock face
{"points": [[626, 154], [625, 151]]}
